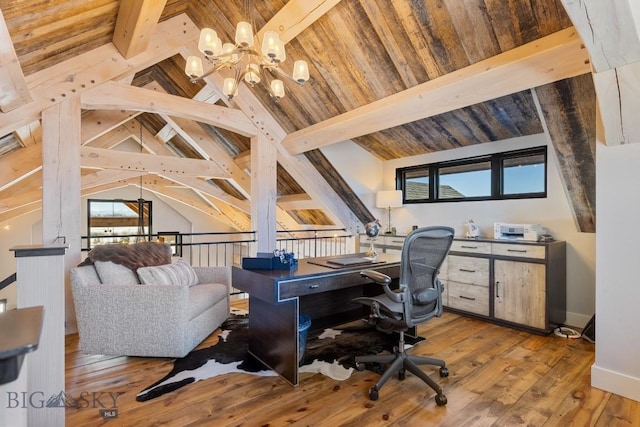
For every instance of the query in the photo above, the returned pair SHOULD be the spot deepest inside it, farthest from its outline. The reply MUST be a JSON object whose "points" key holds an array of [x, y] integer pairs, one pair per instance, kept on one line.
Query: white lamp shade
{"points": [[252, 75], [209, 42], [229, 87], [280, 54], [277, 87], [270, 44], [193, 68], [389, 199], [300, 71], [227, 48], [244, 34]]}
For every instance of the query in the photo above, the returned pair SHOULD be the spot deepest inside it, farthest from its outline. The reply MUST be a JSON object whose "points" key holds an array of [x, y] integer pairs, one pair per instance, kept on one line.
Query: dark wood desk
{"points": [[277, 297]]}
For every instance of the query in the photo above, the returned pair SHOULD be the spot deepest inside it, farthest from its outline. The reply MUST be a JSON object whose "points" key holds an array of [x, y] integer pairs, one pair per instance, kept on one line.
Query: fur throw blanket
{"points": [[134, 256]]}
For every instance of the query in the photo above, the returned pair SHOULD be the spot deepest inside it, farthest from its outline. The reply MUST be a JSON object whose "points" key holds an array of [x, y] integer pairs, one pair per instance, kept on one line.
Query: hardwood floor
{"points": [[498, 377]]}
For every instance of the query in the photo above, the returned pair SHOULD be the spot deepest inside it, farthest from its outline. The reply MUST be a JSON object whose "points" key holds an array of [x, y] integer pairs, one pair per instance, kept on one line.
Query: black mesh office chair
{"points": [[418, 299]]}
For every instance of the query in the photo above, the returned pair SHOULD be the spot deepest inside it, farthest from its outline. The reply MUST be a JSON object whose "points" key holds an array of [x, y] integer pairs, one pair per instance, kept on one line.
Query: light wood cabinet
{"points": [[514, 283], [525, 282], [520, 294]]}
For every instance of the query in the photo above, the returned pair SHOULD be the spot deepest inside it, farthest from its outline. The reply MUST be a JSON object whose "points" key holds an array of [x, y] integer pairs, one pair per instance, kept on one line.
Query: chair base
{"points": [[400, 362]]}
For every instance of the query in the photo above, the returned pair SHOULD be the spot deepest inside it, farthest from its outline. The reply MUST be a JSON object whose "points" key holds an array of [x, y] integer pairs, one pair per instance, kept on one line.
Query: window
{"points": [[117, 221], [508, 175]]}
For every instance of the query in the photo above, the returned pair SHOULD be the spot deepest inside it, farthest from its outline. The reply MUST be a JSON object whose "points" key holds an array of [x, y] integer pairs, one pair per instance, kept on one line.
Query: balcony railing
{"points": [[228, 249]]}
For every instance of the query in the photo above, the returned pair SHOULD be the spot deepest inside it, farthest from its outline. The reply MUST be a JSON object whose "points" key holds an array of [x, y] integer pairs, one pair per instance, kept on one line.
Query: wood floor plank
{"points": [[498, 376]]}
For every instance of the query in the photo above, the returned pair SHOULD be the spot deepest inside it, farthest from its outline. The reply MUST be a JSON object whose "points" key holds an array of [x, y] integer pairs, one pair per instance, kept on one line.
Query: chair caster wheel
{"points": [[441, 399], [360, 366], [373, 394], [444, 372], [401, 375]]}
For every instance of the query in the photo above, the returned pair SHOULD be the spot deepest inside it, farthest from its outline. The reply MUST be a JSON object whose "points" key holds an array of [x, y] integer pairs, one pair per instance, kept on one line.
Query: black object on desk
{"points": [[19, 334]]}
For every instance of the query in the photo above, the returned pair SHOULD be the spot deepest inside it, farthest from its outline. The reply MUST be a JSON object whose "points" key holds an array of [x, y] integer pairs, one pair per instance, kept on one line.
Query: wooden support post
{"points": [[264, 192], [61, 216]]}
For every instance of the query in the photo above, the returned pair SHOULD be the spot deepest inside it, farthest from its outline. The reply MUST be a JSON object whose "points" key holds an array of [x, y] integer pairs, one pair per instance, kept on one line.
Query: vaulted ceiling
{"points": [[397, 78]]}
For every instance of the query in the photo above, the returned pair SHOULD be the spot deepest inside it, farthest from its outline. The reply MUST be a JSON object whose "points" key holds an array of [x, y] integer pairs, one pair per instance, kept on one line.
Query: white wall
{"points": [[617, 365], [554, 212]]}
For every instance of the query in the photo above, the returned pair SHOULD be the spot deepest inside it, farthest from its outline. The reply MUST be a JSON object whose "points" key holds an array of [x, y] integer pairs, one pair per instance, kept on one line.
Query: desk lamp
{"points": [[388, 199]]}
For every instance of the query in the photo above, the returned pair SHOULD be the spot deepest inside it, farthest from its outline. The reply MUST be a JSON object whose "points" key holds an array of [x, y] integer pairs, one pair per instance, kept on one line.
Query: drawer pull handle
{"points": [[522, 251], [468, 247], [497, 290], [467, 270], [314, 286], [469, 298]]}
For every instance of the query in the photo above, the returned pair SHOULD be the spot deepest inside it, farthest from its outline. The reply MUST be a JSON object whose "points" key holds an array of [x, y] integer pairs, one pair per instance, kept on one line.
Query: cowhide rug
{"points": [[331, 353]]}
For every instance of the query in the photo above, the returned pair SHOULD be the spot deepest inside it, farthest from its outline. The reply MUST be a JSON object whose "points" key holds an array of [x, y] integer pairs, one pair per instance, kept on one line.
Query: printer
{"points": [[503, 231]]}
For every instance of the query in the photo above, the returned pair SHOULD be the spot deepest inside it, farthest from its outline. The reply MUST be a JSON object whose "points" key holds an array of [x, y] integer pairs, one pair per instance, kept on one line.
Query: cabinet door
{"points": [[519, 293]]}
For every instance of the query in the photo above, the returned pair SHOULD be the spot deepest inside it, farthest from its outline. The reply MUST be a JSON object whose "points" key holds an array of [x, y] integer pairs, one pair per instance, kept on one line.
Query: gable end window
{"points": [[517, 174]]}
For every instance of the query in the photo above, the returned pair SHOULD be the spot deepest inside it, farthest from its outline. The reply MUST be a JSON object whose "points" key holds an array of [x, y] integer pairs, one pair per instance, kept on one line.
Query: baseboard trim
{"points": [[615, 382], [577, 320]]}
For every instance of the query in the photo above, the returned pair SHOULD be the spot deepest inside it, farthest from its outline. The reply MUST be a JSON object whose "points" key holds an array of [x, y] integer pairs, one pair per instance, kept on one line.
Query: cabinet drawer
{"points": [[468, 270], [471, 298], [471, 246], [390, 240], [522, 251], [295, 288]]}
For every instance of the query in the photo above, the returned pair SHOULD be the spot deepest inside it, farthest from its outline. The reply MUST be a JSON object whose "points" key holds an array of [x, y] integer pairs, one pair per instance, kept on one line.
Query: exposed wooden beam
{"points": [[19, 164], [98, 178], [135, 25], [555, 57], [213, 191], [111, 139], [611, 33], [14, 91], [22, 210], [197, 136], [618, 98], [166, 192], [295, 17], [30, 134], [243, 160], [295, 202], [609, 29], [124, 160], [117, 96], [92, 68], [98, 123]]}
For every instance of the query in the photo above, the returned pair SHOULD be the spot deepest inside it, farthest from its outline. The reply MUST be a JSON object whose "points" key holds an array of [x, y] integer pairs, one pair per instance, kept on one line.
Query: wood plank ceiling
{"points": [[360, 52]]}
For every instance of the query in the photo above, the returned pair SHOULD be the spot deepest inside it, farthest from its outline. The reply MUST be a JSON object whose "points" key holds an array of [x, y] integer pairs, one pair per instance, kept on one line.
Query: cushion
{"points": [[179, 273], [142, 254], [115, 274]]}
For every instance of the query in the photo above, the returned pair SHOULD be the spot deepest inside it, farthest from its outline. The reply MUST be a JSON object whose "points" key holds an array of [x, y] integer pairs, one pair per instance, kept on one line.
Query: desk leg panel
{"points": [[273, 336]]}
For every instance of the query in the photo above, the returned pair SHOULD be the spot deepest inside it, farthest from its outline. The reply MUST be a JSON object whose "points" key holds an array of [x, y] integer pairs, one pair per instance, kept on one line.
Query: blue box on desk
{"points": [[265, 263]]}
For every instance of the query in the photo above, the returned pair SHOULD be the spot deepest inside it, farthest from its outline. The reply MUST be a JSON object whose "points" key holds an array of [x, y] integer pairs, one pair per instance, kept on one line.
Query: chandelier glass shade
{"points": [[251, 65]]}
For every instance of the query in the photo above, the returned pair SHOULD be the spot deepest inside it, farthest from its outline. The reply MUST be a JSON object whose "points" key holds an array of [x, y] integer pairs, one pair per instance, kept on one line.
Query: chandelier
{"points": [[248, 63]]}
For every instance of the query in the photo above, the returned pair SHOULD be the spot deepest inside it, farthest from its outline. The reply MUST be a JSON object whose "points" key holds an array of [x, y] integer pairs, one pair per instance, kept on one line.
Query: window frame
{"points": [[148, 218], [497, 176]]}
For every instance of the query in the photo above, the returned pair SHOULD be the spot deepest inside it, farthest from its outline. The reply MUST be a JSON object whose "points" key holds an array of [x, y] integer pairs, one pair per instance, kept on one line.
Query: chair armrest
{"points": [[220, 275], [384, 280]]}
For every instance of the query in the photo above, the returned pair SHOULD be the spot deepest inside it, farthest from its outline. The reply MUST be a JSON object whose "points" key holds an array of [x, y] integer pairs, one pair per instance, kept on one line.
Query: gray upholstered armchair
{"points": [[157, 318]]}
